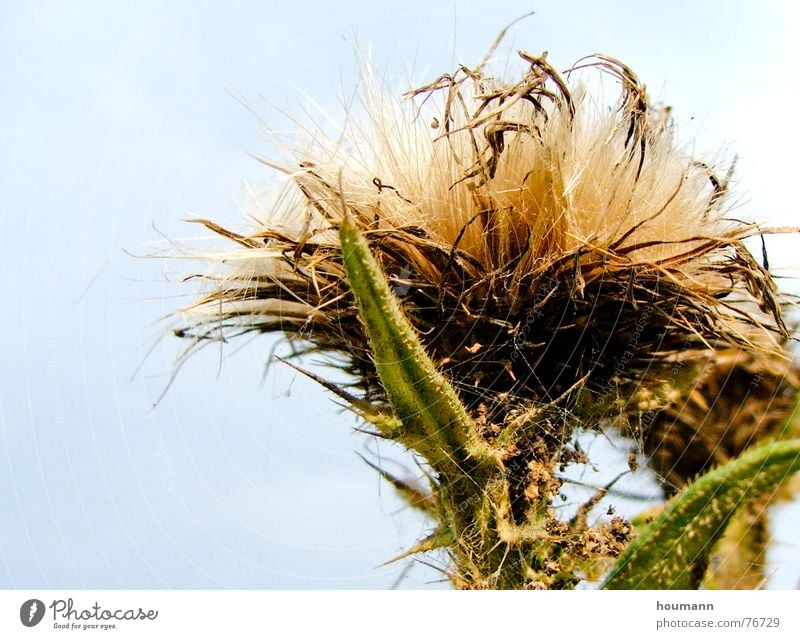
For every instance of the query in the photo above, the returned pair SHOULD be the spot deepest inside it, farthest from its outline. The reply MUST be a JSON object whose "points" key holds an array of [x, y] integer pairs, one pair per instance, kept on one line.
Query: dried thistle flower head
{"points": [[565, 265], [548, 248]]}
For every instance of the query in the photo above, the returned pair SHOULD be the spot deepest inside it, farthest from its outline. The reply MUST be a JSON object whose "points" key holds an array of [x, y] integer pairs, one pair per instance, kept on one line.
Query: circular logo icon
{"points": [[31, 612]]}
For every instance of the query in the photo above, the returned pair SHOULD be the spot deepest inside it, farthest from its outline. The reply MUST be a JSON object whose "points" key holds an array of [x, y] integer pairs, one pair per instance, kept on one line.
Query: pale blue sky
{"points": [[117, 121]]}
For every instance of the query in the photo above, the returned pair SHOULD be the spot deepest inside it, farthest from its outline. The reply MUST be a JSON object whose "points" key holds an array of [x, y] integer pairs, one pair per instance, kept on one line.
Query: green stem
{"points": [[435, 421]]}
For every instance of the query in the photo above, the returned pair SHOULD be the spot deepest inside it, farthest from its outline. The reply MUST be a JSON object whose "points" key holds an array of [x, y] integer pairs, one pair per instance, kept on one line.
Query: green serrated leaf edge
{"points": [[672, 551], [435, 422]]}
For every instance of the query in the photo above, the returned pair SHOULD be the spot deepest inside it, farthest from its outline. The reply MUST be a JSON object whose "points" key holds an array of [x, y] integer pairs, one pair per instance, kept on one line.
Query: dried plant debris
{"points": [[565, 265], [738, 400]]}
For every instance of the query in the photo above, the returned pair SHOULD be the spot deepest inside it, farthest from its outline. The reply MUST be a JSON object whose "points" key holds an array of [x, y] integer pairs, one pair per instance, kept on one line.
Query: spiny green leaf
{"points": [[672, 551], [436, 422], [740, 558], [415, 496], [440, 538], [387, 425]]}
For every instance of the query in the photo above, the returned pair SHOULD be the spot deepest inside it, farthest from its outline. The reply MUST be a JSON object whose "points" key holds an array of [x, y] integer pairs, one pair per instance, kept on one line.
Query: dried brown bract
{"points": [[547, 248]]}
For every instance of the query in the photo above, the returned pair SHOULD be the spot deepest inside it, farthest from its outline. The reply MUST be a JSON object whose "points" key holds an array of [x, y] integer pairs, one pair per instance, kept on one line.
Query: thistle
{"points": [[502, 265]]}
